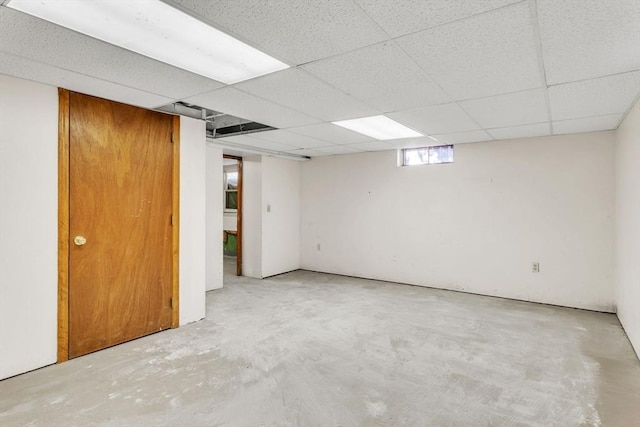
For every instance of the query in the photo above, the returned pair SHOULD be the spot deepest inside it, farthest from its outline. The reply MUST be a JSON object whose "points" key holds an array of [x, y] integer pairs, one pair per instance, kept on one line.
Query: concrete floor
{"points": [[311, 349]]}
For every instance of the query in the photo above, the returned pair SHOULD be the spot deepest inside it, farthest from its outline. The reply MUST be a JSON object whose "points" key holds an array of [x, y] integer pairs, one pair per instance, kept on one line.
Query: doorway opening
{"points": [[232, 219]]}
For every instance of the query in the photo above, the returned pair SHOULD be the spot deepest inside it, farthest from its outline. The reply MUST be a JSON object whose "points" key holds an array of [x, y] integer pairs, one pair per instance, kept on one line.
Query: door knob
{"points": [[79, 240]]}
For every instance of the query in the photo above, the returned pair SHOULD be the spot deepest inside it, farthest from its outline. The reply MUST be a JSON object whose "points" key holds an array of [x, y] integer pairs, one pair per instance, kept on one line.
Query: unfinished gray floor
{"points": [[310, 349]]}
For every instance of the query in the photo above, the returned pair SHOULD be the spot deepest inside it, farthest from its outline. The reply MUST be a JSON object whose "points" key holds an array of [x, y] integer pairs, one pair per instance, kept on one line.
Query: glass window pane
{"points": [[232, 180], [231, 201]]}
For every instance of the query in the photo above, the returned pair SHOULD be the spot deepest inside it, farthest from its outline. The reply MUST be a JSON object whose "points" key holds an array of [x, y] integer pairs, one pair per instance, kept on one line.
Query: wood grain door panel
{"points": [[120, 200]]}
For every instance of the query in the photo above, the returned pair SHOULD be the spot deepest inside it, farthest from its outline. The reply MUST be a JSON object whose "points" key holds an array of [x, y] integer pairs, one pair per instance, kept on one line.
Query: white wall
{"points": [[628, 225], [280, 216], [252, 216], [475, 225], [193, 157], [28, 225], [214, 265]]}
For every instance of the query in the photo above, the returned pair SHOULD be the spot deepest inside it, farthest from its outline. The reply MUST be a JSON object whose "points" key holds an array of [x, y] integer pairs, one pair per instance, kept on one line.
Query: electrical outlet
{"points": [[535, 267], [268, 208], [318, 247]]}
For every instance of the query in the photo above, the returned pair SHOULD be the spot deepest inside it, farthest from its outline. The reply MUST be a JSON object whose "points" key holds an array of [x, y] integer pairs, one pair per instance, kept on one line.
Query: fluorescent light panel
{"points": [[157, 30], [379, 127]]}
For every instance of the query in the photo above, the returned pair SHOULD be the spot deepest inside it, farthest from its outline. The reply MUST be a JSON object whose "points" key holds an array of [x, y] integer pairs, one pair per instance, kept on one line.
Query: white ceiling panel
{"points": [[597, 97], [587, 39], [296, 31], [382, 76], [24, 68], [303, 92], [340, 149], [587, 124], [484, 55], [241, 104], [526, 131], [401, 17], [373, 146], [413, 142], [41, 41], [512, 109], [463, 137], [445, 118], [289, 138], [252, 141], [331, 133]]}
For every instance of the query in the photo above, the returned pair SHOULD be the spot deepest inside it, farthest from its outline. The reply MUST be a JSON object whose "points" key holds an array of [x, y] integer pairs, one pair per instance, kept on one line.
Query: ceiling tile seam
{"points": [[258, 143], [278, 104], [227, 31], [460, 19], [604, 76], [588, 117], [315, 137], [535, 25], [371, 19], [516, 126], [626, 113], [435, 82], [87, 75], [288, 131]]}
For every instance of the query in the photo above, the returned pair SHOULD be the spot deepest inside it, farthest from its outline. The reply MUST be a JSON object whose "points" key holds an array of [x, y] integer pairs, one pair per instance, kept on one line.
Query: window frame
{"points": [[226, 191], [403, 155]]}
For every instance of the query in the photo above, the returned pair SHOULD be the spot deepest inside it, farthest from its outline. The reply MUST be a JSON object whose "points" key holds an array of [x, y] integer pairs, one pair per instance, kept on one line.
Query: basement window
{"points": [[427, 155], [231, 191]]}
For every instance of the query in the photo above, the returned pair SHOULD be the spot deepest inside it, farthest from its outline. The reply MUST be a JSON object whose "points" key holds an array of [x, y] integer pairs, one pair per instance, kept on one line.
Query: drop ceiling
{"points": [[457, 71]]}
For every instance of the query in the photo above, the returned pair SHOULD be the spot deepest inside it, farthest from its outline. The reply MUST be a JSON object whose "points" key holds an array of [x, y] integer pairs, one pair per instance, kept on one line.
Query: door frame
{"points": [[238, 215], [63, 223]]}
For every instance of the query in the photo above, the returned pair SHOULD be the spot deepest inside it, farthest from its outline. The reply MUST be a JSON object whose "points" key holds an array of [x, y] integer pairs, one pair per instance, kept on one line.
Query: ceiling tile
{"points": [[297, 31], [26, 69], [403, 17], [597, 97], [340, 149], [508, 110], [382, 76], [241, 104], [41, 41], [589, 39], [445, 118], [289, 138], [484, 55], [373, 146], [252, 141], [587, 124], [526, 131], [413, 142], [303, 92], [462, 137], [331, 133]]}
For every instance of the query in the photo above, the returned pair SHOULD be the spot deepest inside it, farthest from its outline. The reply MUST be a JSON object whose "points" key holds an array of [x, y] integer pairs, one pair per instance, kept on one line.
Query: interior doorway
{"points": [[118, 234], [232, 219]]}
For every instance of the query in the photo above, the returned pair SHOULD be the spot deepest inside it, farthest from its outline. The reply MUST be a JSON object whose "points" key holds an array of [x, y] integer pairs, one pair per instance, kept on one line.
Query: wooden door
{"points": [[120, 214]]}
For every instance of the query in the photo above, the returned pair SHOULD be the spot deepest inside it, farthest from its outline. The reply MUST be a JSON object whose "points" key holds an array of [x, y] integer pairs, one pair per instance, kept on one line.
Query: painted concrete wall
{"points": [[28, 225], [475, 225], [214, 268], [280, 216], [193, 158], [628, 225], [252, 216]]}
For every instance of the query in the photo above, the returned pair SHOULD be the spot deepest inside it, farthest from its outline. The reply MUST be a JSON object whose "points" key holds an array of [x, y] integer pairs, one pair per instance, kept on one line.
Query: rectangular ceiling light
{"points": [[157, 30], [378, 127]]}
